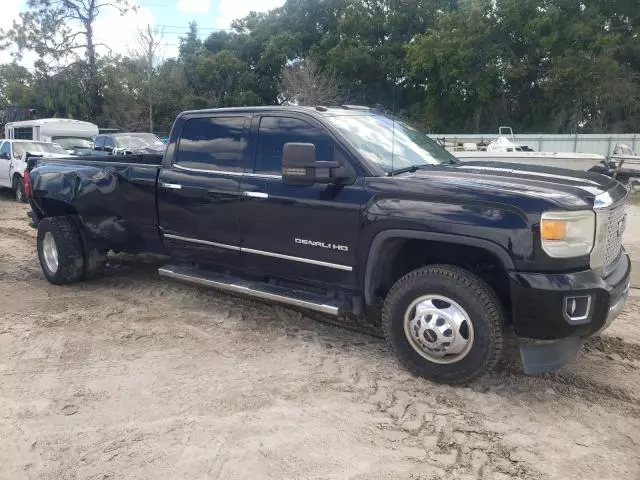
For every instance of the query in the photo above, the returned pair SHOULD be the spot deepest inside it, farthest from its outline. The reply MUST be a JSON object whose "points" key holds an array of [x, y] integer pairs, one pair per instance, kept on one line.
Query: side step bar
{"points": [[260, 290]]}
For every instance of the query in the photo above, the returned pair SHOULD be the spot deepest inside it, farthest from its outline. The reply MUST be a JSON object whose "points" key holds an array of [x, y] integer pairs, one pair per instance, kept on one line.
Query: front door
{"points": [[5, 164], [301, 233], [199, 190]]}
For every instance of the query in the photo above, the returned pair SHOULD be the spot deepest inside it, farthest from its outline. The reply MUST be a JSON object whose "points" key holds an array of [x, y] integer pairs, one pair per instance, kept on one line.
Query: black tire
{"points": [[95, 263], [19, 191], [471, 293], [68, 244]]}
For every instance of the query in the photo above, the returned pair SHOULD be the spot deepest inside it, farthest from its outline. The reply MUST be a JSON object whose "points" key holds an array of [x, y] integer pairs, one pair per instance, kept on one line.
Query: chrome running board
{"points": [[264, 291]]}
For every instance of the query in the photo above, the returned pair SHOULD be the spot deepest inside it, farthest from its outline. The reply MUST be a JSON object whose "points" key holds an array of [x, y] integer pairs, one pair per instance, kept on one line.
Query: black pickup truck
{"points": [[354, 214]]}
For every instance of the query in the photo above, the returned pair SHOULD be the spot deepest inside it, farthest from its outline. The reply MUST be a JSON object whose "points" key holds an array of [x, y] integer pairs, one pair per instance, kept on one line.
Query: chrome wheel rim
{"points": [[438, 329], [50, 252]]}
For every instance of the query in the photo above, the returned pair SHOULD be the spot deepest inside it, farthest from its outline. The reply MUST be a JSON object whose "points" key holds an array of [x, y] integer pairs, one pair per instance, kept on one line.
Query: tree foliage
{"points": [[453, 65], [63, 31], [304, 83]]}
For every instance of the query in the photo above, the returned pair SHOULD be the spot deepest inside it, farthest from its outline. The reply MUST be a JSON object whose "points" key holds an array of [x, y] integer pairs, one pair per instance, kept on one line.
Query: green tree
{"points": [[63, 31]]}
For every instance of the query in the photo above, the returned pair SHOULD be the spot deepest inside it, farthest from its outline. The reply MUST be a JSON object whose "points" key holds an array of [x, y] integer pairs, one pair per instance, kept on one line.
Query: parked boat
{"points": [[505, 149], [623, 165]]}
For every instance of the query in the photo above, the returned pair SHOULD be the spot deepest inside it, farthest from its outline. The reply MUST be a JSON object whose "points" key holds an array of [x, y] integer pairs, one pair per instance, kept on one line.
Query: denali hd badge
{"points": [[330, 246]]}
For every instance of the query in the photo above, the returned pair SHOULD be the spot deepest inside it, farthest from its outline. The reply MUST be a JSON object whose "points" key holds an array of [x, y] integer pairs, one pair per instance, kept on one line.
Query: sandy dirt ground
{"points": [[133, 376]]}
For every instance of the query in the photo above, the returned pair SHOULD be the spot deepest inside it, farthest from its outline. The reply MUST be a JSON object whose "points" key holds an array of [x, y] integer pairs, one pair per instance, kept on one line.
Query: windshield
{"points": [[138, 140], [373, 136], [34, 147], [73, 142]]}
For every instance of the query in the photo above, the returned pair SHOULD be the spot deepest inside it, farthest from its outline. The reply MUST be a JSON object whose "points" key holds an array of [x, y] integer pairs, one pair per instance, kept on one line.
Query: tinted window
{"points": [[213, 143], [99, 143], [23, 133], [6, 148], [274, 132], [109, 142]]}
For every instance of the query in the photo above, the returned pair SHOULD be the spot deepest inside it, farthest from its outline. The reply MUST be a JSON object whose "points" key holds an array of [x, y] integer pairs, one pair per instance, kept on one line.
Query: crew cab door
{"points": [[305, 233], [199, 189], [5, 164]]}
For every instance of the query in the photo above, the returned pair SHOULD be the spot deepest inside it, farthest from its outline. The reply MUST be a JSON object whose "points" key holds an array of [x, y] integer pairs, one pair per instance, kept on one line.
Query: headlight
{"points": [[567, 234]]}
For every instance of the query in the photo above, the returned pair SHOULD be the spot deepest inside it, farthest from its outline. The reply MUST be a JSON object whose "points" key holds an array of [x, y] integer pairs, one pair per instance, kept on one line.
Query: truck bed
{"points": [[113, 196]]}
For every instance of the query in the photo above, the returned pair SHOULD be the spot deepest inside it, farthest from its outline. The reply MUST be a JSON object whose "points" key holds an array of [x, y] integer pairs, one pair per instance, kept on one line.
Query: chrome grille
{"points": [[613, 244]]}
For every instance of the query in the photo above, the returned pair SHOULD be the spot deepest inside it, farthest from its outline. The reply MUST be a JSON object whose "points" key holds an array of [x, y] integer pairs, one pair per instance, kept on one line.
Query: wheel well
{"points": [[15, 178], [49, 207], [399, 256]]}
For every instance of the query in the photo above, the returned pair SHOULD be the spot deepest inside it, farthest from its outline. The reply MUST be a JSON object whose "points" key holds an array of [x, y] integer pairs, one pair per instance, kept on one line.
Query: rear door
{"points": [[5, 164], [305, 233], [199, 190]]}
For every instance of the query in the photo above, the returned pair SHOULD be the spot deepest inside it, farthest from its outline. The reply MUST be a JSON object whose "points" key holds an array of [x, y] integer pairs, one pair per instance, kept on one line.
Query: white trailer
{"points": [[69, 134]]}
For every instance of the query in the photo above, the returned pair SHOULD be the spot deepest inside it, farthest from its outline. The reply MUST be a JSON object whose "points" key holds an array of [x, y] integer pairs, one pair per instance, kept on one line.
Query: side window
{"points": [[274, 132], [6, 148], [99, 143], [214, 143], [109, 142], [23, 133]]}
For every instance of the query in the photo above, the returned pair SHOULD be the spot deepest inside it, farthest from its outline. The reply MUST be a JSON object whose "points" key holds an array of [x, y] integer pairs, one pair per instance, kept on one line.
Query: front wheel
{"points": [[444, 323], [60, 250], [20, 195]]}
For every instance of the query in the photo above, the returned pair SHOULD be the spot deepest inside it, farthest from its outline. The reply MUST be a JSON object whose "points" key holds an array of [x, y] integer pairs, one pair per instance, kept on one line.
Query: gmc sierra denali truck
{"points": [[355, 214]]}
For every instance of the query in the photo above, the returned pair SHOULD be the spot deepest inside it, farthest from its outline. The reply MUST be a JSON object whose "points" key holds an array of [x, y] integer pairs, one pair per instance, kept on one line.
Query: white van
{"points": [[70, 134]]}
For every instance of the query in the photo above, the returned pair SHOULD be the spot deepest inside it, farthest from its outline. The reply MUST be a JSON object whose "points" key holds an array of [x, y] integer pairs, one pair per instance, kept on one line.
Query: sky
{"points": [[169, 18]]}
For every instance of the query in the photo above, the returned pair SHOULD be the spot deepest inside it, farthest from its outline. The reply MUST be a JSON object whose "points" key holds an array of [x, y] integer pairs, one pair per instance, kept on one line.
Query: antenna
{"points": [[393, 125]]}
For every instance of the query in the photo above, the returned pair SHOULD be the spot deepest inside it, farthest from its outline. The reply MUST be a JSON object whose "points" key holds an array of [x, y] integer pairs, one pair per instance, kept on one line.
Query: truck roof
{"points": [[319, 110]]}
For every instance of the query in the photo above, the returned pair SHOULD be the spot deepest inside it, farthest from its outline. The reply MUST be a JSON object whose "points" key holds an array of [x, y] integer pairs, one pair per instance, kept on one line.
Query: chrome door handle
{"points": [[171, 186], [255, 194]]}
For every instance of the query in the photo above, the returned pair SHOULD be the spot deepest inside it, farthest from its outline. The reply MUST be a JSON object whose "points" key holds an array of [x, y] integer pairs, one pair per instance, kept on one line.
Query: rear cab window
{"points": [[216, 143]]}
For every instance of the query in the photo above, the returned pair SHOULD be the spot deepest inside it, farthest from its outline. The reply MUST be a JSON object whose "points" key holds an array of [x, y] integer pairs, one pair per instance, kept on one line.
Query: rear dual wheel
{"points": [[63, 256], [444, 323]]}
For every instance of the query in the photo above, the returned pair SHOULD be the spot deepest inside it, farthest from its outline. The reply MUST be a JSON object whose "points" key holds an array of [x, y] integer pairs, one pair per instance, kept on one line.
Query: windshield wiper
{"points": [[410, 169]]}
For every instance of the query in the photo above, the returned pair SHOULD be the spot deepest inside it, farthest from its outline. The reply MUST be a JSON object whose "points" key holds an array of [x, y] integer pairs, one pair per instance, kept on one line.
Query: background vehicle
{"points": [[354, 214], [505, 149], [134, 143], [13, 161], [72, 135]]}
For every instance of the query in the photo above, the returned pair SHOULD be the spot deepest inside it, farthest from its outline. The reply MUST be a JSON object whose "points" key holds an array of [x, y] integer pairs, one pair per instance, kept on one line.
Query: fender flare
{"points": [[380, 238]]}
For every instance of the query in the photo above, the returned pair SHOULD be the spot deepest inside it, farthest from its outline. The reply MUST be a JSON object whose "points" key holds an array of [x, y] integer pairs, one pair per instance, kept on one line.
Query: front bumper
{"points": [[538, 301], [548, 338]]}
